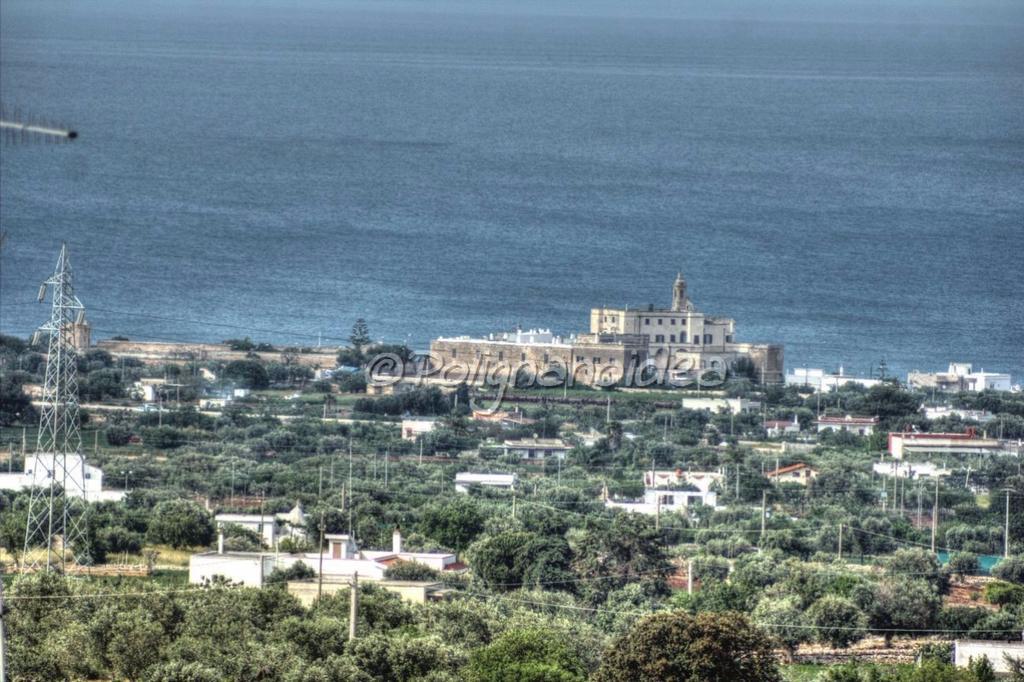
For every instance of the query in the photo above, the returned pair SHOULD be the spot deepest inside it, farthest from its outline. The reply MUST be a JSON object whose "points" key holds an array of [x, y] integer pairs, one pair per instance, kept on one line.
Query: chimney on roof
{"points": [[396, 541]]}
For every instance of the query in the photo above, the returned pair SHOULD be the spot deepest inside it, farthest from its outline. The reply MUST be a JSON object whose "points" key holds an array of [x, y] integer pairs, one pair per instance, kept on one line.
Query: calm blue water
{"points": [[849, 185]]}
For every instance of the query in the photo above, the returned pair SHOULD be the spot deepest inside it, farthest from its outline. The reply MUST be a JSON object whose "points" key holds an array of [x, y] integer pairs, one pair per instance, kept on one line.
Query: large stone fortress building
{"points": [[623, 344]]}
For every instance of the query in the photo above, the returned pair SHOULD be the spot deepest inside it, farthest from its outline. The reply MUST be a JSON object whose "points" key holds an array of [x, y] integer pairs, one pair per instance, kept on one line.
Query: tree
{"points": [[526, 655], [837, 621], [784, 621], [453, 524], [360, 335], [180, 671], [247, 374], [135, 642], [180, 523], [411, 570], [608, 556], [920, 563], [15, 406], [963, 564], [1010, 569], [118, 435], [903, 604], [678, 647]]}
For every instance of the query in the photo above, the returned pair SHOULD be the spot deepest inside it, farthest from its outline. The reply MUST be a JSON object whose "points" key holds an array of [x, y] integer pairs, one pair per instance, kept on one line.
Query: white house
{"points": [[413, 428], [264, 525], [657, 500], [733, 405], [939, 412], [966, 649], [536, 448], [862, 426], [960, 376], [341, 559], [782, 427], [83, 480], [820, 380], [465, 480], [800, 473], [702, 480], [901, 444], [912, 470]]}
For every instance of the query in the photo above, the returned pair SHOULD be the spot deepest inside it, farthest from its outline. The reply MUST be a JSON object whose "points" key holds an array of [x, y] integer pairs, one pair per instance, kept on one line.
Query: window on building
{"points": [[696, 340], [546, 358], [454, 352], [501, 355], [707, 339], [672, 338], [659, 338], [728, 338], [522, 357], [579, 358], [611, 361], [597, 360], [673, 321], [647, 320], [659, 320]]}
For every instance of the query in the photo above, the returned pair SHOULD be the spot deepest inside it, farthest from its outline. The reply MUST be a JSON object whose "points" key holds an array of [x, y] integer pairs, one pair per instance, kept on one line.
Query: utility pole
{"points": [[3, 636], [320, 572], [608, 411], [935, 513], [764, 513], [1006, 527], [353, 607], [657, 510], [559, 460], [320, 482], [840, 542], [421, 450], [387, 456], [513, 505]]}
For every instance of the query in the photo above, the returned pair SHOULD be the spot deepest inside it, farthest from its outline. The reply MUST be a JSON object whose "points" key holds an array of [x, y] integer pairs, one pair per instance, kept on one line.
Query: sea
{"points": [[843, 178]]}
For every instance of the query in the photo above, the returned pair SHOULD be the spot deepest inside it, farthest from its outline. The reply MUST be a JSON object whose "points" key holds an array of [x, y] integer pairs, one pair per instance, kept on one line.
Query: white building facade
{"points": [[83, 480]]}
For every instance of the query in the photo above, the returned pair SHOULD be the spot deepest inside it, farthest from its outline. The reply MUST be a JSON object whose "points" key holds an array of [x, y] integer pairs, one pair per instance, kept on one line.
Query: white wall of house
{"points": [[966, 649], [84, 480]]}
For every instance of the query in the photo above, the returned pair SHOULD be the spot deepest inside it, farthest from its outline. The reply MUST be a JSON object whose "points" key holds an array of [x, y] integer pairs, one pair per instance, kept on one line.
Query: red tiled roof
{"points": [[787, 469]]}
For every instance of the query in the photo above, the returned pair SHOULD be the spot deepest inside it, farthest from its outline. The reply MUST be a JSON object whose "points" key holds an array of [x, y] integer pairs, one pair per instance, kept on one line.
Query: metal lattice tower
{"points": [[57, 504]]}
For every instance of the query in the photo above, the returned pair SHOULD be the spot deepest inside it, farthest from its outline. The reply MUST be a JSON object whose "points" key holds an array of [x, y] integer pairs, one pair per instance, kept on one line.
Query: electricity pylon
{"points": [[57, 502]]}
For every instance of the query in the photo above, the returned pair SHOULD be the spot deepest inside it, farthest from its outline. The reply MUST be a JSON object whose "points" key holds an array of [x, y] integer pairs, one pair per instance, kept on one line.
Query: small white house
{"points": [[966, 649], [659, 500], [800, 473], [702, 480], [264, 525], [465, 480], [341, 559], [83, 480], [716, 405], [413, 428], [820, 380], [536, 448], [776, 428], [862, 426], [911, 470]]}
